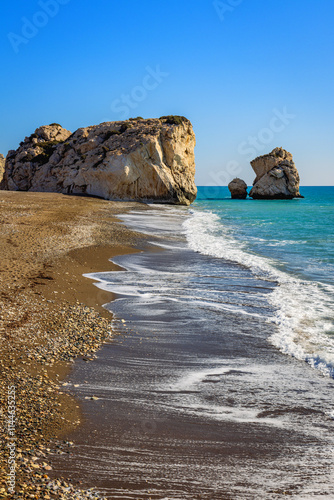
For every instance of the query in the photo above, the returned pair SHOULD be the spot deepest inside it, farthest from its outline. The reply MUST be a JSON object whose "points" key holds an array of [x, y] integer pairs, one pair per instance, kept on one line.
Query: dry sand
{"points": [[50, 314]]}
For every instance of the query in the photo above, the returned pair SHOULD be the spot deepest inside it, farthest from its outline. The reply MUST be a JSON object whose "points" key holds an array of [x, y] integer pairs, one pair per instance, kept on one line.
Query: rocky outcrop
{"points": [[238, 189], [276, 176], [143, 160], [2, 166]]}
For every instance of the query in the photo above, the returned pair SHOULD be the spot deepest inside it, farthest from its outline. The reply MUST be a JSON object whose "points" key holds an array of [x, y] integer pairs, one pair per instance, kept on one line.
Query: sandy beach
{"points": [[50, 314], [177, 394]]}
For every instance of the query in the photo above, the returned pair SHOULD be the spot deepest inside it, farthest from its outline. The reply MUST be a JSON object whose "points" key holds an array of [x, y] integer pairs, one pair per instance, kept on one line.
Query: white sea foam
{"points": [[303, 309]]}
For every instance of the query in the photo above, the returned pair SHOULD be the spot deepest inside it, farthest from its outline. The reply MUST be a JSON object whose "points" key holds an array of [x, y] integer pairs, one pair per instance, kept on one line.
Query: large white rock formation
{"points": [[138, 159], [276, 176]]}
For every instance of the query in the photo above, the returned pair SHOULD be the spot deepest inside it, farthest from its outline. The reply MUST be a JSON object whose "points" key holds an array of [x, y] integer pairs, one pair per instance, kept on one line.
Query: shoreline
{"points": [[268, 430], [174, 390], [51, 315]]}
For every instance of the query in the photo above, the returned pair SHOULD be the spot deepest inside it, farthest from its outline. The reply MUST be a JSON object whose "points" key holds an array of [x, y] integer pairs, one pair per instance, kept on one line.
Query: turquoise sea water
{"points": [[291, 241], [298, 234]]}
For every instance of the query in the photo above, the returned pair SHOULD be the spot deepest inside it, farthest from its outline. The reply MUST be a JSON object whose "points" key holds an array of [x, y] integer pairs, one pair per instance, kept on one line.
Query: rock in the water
{"points": [[137, 159], [276, 176], [238, 189], [2, 166]]}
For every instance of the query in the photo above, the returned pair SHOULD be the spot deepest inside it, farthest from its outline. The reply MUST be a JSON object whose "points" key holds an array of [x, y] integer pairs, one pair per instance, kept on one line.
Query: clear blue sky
{"points": [[250, 74]]}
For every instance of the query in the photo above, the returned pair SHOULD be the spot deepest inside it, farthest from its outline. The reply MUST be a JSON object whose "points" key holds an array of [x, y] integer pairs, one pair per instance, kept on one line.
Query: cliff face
{"points": [[2, 166], [276, 176], [149, 160]]}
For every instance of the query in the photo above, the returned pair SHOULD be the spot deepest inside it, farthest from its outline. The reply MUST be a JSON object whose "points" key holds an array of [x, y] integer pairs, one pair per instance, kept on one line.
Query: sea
{"points": [[289, 241], [220, 381]]}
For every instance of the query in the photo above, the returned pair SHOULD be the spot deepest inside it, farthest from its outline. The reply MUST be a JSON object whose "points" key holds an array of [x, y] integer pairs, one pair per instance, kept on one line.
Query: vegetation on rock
{"points": [[48, 149], [174, 119], [111, 133]]}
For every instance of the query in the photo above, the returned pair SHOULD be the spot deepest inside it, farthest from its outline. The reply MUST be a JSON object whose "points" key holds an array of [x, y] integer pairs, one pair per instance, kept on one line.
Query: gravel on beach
{"points": [[50, 315]]}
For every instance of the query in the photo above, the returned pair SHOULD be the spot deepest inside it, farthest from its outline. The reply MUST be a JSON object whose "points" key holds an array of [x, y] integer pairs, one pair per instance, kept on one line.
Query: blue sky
{"points": [[249, 74]]}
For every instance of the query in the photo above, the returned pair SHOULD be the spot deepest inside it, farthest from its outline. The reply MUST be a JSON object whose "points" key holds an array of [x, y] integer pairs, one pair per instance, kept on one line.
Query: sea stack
{"points": [[276, 176], [238, 189], [135, 160]]}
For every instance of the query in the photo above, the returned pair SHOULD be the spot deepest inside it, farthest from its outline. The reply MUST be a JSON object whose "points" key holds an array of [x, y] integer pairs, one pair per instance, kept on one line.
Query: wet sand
{"points": [[51, 314]]}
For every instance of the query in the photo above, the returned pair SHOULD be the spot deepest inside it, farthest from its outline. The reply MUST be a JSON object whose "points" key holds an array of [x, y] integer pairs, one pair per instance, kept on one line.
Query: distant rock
{"points": [[137, 159], [276, 176], [2, 166], [238, 189]]}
